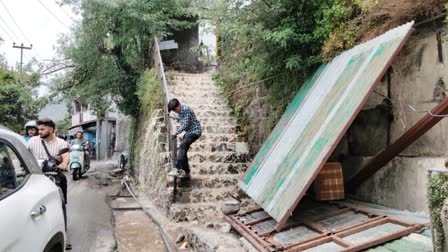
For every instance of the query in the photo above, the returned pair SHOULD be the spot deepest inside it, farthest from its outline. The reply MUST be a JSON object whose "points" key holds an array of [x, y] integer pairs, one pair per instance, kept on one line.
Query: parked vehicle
{"points": [[78, 161], [30, 203]]}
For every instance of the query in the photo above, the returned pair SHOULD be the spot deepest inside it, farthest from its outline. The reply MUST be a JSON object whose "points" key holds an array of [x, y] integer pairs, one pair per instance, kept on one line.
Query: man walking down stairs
{"points": [[188, 123], [216, 159]]}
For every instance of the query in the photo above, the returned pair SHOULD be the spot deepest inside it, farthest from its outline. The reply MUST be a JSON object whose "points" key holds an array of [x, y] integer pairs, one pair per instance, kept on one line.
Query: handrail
{"points": [[157, 63]]}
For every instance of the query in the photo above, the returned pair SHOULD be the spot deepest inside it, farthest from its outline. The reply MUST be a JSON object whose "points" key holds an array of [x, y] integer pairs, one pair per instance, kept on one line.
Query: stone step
{"points": [[212, 147], [193, 86], [214, 168], [210, 181], [208, 107], [214, 113], [188, 78], [218, 129], [211, 101], [195, 195], [180, 95], [204, 212], [214, 121], [218, 157], [201, 212], [184, 74], [211, 137]]}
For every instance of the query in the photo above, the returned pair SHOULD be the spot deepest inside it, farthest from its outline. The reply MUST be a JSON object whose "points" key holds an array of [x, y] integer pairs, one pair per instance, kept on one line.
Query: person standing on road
{"points": [[190, 124], [47, 139]]}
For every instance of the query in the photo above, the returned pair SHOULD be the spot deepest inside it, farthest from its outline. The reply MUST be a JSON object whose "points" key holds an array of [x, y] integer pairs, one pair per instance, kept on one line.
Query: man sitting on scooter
{"points": [[47, 139], [79, 140]]}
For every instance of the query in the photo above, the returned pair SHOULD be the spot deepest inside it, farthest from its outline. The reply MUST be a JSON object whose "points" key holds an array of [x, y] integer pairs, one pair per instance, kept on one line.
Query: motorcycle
{"points": [[78, 161]]}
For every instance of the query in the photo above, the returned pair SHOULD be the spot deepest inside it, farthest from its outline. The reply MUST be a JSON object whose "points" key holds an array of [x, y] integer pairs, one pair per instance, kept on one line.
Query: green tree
{"points": [[18, 102], [110, 49], [261, 39]]}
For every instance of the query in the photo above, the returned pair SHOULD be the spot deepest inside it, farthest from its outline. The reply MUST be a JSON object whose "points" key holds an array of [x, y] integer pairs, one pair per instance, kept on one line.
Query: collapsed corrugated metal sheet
{"points": [[319, 226], [314, 123]]}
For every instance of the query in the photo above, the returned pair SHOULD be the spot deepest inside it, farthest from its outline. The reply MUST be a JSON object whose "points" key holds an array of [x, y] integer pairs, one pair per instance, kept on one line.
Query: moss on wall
{"points": [[437, 193]]}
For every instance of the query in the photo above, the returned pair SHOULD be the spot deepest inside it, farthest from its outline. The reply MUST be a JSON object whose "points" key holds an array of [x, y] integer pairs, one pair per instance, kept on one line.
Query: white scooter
{"points": [[78, 164]]}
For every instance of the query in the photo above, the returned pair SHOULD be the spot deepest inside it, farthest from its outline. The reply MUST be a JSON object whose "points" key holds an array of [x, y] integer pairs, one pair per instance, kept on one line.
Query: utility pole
{"points": [[21, 47]]}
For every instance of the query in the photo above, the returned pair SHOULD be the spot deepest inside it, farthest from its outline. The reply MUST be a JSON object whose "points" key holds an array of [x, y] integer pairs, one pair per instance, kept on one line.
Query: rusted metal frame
{"points": [[333, 214], [341, 242], [289, 226], [311, 244], [253, 210], [316, 227], [324, 239], [339, 236], [383, 239], [344, 130], [410, 136], [256, 221], [360, 224], [407, 224], [254, 239], [321, 232], [362, 227]]}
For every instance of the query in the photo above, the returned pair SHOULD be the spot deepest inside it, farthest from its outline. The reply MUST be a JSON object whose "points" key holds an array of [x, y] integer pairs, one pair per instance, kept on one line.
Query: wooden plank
{"points": [[379, 161]]}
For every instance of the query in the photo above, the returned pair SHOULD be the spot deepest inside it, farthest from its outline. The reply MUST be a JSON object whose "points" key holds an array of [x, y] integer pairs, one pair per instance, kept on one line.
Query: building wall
{"points": [[413, 80], [182, 58]]}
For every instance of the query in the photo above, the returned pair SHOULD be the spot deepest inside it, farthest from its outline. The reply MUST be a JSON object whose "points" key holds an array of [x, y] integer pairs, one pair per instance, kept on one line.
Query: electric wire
{"points": [[20, 29], [6, 33], [60, 21], [10, 15], [66, 13], [11, 30]]}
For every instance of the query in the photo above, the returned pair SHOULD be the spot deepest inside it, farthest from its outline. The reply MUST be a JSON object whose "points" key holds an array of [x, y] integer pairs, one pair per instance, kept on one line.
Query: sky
{"points": [[36, 22]]}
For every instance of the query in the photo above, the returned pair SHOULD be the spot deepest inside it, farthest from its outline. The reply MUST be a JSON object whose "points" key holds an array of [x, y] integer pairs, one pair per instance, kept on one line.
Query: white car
{"points": [[31, 214]]}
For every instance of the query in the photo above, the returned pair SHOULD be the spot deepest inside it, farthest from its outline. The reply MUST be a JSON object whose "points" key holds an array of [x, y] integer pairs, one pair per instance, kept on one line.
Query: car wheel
{"points": [[56, 244]]}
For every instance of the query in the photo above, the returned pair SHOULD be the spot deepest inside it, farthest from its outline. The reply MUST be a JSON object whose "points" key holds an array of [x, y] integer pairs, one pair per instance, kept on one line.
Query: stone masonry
{"points": [[216, 160]]}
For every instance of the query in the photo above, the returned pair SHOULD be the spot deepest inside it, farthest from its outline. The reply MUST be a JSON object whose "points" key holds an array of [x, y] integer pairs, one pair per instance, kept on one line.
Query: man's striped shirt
{"points": [[36, 147]]}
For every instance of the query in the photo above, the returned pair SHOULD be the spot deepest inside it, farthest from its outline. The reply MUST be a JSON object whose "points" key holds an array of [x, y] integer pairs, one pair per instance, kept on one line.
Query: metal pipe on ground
{"points": [[165, 238]]}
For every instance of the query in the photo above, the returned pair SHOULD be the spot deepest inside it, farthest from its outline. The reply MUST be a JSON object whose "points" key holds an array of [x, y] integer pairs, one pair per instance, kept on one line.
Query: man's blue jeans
{"points": [[182, 158]]}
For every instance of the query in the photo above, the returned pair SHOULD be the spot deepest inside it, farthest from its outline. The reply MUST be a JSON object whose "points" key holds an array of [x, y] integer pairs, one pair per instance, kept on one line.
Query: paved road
{"points": [[89, 216]]}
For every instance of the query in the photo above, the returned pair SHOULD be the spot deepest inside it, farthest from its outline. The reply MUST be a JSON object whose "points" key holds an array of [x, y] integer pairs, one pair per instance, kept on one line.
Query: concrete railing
{"points": [[157, 63]]}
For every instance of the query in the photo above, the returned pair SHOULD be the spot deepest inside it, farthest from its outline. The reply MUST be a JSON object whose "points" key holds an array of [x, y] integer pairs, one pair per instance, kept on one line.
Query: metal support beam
{"points": [[420, 128]]}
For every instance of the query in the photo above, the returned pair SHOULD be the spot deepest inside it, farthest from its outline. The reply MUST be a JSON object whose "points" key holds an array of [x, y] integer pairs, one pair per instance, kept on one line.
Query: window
{"points": [[12, 170]]}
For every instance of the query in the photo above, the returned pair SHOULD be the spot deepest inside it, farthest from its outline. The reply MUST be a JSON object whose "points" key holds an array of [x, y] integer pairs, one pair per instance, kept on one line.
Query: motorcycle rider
{"points": [[79, 140], [53, 144], [30, 130]]}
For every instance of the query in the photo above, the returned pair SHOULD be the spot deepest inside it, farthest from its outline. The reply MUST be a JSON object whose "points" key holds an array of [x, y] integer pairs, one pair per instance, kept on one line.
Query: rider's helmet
{"points": [[29, 125]]}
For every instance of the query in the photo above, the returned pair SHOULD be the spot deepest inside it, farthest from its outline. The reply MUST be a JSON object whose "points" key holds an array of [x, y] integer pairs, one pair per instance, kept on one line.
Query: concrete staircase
{"points": [[215, 159]]}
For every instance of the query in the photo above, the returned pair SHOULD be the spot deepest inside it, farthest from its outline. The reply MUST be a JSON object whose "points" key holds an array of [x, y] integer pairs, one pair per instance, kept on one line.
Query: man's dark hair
{"points": [[47, 122], [172, 104]]}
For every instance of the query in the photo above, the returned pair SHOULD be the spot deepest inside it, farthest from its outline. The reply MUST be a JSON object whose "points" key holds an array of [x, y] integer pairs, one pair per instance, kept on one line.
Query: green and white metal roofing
{"points": [[314, 123]]}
